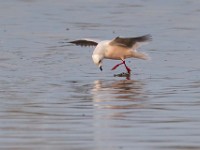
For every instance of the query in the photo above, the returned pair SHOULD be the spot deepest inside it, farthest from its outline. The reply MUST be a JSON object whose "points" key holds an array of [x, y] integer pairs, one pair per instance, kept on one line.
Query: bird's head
{"points": [[97, 59]]}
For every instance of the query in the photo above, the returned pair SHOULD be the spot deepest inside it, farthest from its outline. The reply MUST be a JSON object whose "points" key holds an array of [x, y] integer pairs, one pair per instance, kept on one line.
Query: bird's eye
{"points": [[99, 61]]}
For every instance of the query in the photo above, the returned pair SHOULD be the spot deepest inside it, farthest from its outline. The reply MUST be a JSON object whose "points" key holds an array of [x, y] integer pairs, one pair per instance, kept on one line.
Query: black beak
{"points": [[101, 68]]}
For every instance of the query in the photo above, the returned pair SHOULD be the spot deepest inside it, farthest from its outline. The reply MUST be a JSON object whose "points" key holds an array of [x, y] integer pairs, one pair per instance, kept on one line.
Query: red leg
{"points": [[127, 68], [117, 66], [123, 62]]}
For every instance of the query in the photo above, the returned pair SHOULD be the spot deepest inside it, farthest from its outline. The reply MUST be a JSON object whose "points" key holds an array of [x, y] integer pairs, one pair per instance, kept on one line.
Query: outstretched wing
{"points": [[85, 42], [131, 42]]}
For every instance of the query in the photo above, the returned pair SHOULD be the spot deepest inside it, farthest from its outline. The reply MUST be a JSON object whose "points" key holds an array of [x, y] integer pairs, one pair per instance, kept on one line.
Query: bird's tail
{"points": [[141, 55]]}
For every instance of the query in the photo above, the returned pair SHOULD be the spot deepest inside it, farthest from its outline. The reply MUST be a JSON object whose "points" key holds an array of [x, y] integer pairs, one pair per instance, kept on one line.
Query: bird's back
{"points": [[101, 48]]}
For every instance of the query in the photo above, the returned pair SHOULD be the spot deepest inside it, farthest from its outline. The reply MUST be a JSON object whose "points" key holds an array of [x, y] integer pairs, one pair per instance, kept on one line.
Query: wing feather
{"points": [[84, 42], [131, 42]]}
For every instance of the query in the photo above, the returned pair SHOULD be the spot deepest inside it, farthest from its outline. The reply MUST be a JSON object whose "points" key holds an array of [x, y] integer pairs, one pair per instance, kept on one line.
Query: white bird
{"points": [[117, 49]]}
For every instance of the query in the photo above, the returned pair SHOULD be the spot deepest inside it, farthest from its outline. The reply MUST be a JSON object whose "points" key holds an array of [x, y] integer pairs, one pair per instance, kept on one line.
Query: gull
{"points": [[118, 48]]}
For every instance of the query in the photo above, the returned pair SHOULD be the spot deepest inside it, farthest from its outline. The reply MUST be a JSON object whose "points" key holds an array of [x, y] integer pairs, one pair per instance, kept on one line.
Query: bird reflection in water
{"points": [[118, 94], [115, 105]]}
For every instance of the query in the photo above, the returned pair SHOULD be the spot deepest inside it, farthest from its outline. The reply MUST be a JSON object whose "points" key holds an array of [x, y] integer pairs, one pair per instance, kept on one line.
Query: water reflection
{"points": [[115, 104], [123, 94], [118, 91]]}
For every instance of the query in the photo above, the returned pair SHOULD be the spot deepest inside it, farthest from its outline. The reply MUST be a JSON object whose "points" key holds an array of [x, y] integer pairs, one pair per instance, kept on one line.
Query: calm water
{"points": [[52, 96]]}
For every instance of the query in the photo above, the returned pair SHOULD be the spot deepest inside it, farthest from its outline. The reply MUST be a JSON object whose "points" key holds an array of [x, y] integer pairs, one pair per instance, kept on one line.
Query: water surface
{"points": [[52, 96]]}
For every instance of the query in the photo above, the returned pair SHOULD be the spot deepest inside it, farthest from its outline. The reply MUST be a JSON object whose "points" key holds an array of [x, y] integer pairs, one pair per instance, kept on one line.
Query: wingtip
{"points": [[148, 37], [83, 42]]}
